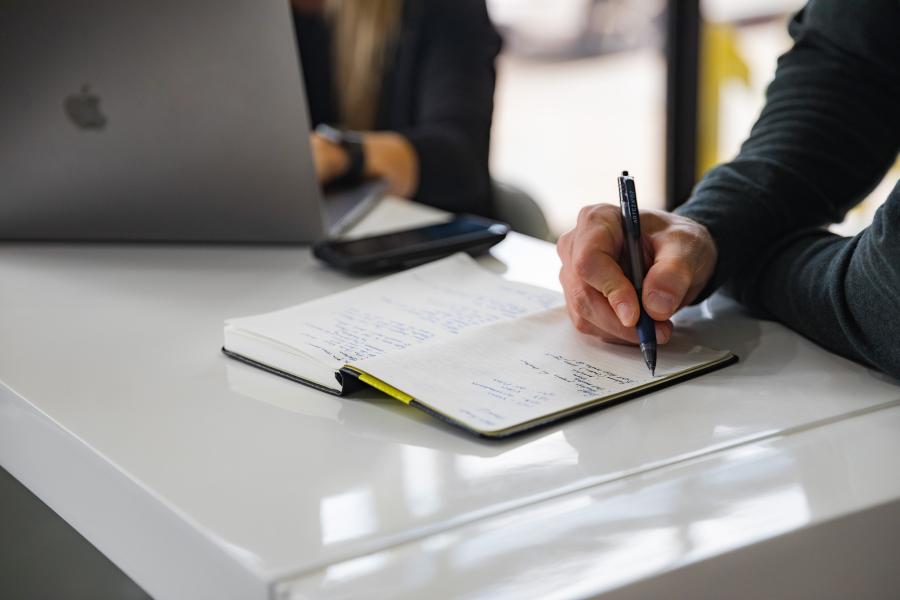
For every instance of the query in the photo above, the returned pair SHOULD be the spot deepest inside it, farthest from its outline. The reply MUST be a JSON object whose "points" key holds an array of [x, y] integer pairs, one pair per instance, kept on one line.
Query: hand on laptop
{"points": [[600, 298], [388, 155]]}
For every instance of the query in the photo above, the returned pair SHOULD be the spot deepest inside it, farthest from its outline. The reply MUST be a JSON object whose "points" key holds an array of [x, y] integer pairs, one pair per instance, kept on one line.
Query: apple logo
{"points": [[83, 109]]}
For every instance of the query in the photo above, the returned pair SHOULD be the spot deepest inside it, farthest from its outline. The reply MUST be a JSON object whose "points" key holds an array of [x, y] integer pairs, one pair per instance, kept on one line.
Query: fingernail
{"points": [[661, 302], [624, 311]]}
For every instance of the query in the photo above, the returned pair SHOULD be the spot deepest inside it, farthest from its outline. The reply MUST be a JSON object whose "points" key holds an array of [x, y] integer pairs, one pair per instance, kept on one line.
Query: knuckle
{"points": [[586, 213], [568, 280], [581, 304], [582, 325], [598, 214], [615, 295], [681, 234], [563, 244], [611, 232], [607, 211], [608, 219], [583, 265], [610, 287], [583, 216], [690, 245]]}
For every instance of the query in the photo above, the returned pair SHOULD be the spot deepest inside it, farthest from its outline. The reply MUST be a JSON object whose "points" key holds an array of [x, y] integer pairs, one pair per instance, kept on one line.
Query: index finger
{"points": [[595, 251]]}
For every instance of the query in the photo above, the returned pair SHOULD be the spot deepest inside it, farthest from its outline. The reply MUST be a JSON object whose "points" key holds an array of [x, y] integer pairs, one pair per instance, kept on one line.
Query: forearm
{"points": [[392, 157], [387, 155], [843, 293], [829, 130]]}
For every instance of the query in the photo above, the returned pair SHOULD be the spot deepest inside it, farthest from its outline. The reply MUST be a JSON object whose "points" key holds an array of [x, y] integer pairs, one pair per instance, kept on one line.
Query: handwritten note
{"points": [[434, 302], [513, 372]]}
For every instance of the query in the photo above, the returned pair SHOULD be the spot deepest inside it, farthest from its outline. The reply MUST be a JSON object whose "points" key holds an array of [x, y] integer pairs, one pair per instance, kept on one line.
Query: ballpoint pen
{"points": [[634, 260]]}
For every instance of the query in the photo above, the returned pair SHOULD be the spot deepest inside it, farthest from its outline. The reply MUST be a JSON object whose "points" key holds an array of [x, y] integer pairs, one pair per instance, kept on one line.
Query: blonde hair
{"points": [[364, 31]]}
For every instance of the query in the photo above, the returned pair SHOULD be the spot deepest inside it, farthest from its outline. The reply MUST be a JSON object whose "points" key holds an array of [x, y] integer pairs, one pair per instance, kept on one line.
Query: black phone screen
{"points": [[407, 248]]}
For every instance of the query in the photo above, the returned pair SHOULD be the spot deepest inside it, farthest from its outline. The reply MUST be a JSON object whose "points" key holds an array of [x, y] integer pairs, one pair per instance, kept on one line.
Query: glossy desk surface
{"points": [[202, 477]]}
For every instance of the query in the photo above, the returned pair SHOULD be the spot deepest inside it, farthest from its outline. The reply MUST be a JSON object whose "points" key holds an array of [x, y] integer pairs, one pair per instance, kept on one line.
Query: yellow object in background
{"points": [[720, 61]]}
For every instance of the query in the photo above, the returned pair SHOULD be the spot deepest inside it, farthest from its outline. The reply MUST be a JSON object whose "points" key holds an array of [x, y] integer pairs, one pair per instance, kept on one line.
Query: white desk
{"points": [[204, 478]]}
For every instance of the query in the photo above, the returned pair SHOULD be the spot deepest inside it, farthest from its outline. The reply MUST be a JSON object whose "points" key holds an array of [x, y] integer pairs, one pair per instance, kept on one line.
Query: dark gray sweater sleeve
{"points": [[829, 131]]}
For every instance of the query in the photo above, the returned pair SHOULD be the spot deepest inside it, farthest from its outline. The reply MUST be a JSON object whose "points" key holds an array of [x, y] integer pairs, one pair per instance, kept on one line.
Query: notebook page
{"points": [[435, 301], [514, 372]]}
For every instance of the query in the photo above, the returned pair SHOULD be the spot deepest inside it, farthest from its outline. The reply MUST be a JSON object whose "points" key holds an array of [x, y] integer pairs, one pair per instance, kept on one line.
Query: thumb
{"points": [[665, 286]]}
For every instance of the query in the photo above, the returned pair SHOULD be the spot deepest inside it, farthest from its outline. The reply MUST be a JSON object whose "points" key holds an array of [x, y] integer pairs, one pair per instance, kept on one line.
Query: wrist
{"points": [[337, 161], [349, 145], [706, 263], [392, 157]]}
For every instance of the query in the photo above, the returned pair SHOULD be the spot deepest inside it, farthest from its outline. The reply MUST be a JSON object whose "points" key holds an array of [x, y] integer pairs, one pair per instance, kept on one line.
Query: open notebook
{"points": [[489, 355]]}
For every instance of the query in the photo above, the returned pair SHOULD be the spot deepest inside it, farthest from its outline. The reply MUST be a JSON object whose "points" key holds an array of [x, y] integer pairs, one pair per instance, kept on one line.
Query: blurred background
{"points": [[581, 95]]}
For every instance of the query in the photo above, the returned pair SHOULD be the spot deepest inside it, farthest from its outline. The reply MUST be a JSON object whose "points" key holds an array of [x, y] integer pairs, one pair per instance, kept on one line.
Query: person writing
{"points": [[829, 131], [415, 79]]}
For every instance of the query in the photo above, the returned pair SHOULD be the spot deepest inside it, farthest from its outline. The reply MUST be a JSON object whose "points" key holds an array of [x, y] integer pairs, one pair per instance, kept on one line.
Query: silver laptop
{"points": [[163, 120]]}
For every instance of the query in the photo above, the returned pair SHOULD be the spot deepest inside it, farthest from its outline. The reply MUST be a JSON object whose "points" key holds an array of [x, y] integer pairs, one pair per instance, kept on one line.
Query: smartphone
{"points": [[411, 247]]}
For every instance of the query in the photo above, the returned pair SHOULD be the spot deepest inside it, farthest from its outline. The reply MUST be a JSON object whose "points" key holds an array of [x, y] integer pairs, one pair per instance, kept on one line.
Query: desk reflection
{"points": [[369, 471]]}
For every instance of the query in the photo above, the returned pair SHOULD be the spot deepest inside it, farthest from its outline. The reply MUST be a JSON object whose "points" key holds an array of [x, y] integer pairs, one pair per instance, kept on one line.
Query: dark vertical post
{"points": [[682, 80]]}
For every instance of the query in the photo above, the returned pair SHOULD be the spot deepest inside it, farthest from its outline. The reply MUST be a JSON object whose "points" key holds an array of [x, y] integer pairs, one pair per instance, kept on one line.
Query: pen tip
{"points": [[649, 352]]}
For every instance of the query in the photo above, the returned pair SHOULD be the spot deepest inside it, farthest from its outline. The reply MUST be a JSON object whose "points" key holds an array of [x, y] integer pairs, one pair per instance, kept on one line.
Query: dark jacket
{"points": [[438, 91], [829, 131]]}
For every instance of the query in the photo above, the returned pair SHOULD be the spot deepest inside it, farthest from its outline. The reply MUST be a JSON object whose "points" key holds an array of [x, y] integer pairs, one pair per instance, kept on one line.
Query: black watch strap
{"points": [[357, 166], [352, 143]]}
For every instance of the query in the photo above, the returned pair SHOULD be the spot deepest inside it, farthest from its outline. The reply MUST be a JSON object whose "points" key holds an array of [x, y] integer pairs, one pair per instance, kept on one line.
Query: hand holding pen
{"points": [[602, 300], [634, 262]]}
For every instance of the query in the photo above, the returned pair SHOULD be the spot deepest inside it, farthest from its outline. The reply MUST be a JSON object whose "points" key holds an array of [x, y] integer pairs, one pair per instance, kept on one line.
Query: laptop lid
{"points": [[163, 120]]}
